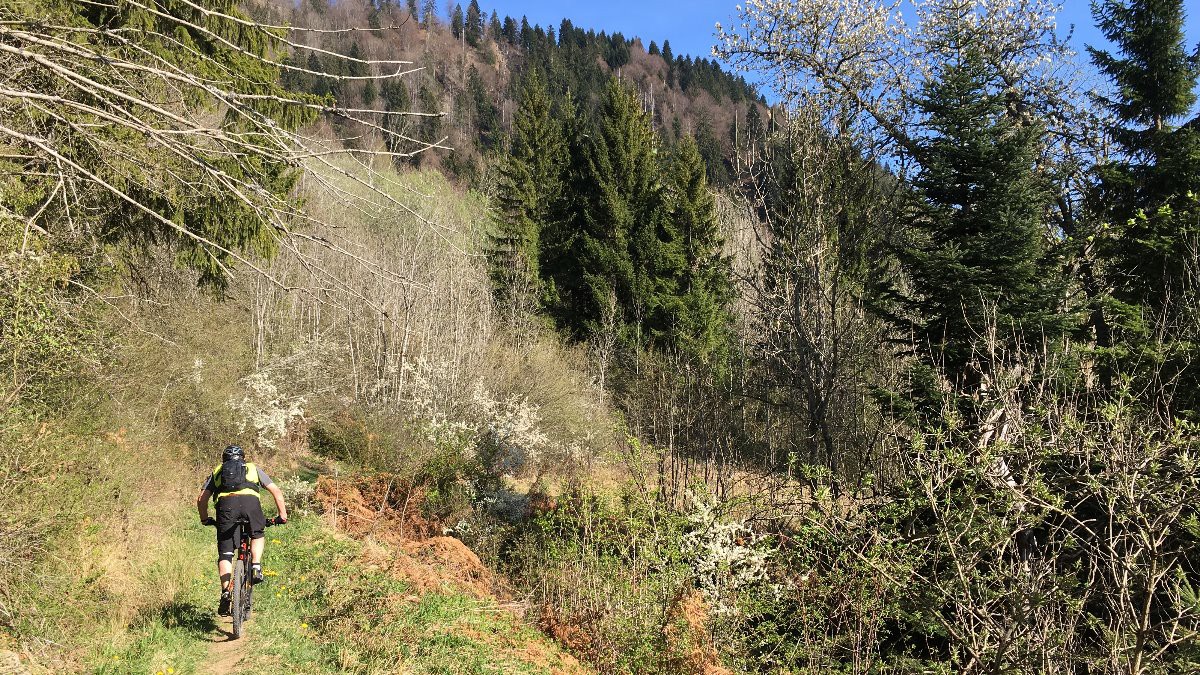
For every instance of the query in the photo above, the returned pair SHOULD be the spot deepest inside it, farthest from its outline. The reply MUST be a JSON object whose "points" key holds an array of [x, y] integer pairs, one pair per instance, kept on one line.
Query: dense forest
{"points": [[573, 355]]}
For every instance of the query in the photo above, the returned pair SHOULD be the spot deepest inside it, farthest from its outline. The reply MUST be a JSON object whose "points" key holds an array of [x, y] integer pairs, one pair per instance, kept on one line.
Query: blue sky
{"points": [[689, 25]]}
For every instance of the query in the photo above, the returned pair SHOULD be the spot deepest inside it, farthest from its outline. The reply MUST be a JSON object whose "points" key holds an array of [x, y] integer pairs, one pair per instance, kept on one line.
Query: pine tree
{"points": [[456, 22], [429, 14], [1146, 194], [976, 223], [494, 28], [530, 183], [698, 320], [396, 99], [474, 24], [607, 242]]}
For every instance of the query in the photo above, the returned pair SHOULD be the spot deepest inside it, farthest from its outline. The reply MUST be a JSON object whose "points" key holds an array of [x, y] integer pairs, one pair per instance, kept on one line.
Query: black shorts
{"points": [[230, 510]]}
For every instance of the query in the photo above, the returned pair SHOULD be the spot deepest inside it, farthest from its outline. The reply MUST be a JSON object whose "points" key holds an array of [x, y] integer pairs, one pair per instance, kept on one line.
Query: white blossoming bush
{"points": [[512, 428], [726, 556], [509, 428], [266, 409], [299, 494]]}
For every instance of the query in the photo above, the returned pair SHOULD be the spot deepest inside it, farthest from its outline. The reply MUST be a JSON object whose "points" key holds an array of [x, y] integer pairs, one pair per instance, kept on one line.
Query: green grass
{"points": [[321, 611], [173, 637]]}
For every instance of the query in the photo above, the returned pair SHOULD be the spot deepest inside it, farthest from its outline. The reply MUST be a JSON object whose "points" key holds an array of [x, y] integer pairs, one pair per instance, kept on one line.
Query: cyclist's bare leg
{"points": [[256, 549], [225, 571]]}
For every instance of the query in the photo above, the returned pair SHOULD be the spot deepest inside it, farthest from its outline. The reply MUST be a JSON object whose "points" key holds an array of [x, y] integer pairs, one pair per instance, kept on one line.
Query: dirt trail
{"points": [[224, 653]]}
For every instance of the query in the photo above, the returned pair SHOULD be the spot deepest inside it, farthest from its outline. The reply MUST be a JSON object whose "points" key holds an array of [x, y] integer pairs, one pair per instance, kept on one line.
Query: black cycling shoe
{"points": [[256, 574], [223, 610]]}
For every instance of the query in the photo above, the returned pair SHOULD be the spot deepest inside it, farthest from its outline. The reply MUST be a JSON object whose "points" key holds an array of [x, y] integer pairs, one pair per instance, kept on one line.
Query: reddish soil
{"points": [[381, 506], [688, 638], [387, 510]]}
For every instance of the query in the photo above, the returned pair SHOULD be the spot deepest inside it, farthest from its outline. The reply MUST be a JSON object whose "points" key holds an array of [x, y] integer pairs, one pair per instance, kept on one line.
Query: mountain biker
{"points": [[234, 486]]}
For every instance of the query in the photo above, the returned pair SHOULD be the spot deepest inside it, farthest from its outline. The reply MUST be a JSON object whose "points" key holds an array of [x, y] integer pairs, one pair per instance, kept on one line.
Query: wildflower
{"points": [[303, 626], [170, 671]]}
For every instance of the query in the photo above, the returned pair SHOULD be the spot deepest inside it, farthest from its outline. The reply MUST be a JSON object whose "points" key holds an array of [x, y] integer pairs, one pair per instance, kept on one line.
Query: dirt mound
{"points": [[688, 639], [388, 510], [382, 506], [437, 564]]}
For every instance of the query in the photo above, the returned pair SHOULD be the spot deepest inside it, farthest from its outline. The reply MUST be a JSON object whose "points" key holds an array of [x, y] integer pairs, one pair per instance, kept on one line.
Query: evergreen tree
{"points": [[456, 22], [429, 14], [494, 28], [653, 49], [754, 124], [395, 97], [699, 320], [1146, 194], [430, 127], [356, 65], [976, 223], [483, 109], [530, 183], [321, 85], [713, 154], [474, 24], [608, 237], [412, 10], [373, 21]]}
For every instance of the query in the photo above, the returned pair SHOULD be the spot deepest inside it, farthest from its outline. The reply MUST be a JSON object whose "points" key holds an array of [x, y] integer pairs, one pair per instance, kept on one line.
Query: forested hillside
{"points": [[571, 355], [471, 66]]}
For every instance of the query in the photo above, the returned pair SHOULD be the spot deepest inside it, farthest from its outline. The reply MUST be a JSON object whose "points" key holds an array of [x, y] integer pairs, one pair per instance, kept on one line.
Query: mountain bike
{"points": [[241, 588]]}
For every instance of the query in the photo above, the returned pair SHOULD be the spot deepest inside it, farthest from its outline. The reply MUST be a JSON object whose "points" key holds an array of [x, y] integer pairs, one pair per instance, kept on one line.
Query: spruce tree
{"points": [[608, 238], [494, 27], [531, 176], [474, 24], [975, 225], [396, 99], [429, 14], [456, 22], [698, 320], [430, 129], [1146, 193]]}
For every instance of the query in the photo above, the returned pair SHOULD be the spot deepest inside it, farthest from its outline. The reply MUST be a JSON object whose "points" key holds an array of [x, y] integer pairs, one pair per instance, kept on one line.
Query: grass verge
{"points": [[323, 610]]}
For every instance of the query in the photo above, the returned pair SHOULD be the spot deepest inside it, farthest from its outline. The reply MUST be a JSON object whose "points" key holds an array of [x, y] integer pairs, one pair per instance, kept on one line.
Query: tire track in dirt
{"points": [[225, 654]]}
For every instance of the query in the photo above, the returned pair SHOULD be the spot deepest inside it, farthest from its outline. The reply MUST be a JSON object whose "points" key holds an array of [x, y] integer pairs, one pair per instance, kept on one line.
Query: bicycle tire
{"points": [[236, 589], [248, 591]]}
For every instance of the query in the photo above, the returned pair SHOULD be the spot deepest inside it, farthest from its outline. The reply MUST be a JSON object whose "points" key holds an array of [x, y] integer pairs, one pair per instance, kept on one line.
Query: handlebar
{"points": [[271, 522]]}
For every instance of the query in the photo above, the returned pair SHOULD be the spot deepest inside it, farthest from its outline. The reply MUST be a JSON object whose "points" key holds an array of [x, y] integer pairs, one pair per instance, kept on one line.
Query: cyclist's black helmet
{"points": [[233, 452]]}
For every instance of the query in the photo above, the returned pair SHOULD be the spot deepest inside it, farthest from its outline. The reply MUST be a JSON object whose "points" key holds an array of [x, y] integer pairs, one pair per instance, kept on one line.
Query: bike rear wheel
{"points": [[237, 587], [248, 589], [235, 593]]}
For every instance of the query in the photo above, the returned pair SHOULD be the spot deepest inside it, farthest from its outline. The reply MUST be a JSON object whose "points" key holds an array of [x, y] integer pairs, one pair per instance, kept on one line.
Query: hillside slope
{"points": [[474, 76]]}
